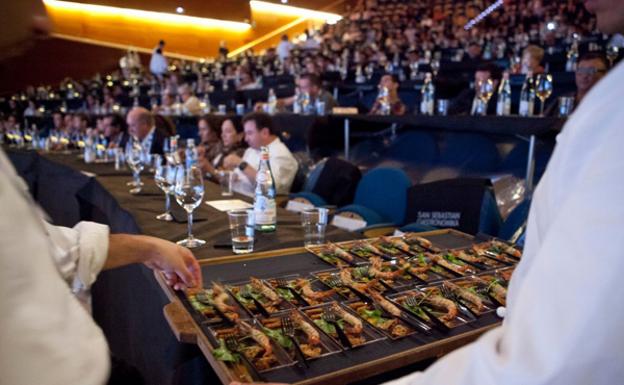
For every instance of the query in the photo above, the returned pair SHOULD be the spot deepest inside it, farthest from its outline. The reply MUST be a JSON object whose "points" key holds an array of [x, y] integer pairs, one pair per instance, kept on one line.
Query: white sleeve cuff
{"points": [[93, 252]]}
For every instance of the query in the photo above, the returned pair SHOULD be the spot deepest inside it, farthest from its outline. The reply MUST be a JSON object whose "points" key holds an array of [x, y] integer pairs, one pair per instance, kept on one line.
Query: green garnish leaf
{"points": [[453, 259], [327, 327], [372, 316], [223, 354], [418, 311], [278, 337], [285, 293], [361, 272]]}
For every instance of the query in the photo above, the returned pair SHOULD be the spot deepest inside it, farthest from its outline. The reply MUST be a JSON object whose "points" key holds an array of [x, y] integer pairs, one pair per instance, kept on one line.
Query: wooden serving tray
{"points": [[354, 368]]}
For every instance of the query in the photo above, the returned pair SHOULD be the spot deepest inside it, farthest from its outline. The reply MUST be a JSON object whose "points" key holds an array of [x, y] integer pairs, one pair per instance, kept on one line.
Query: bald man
{"points": [[141, 126]]}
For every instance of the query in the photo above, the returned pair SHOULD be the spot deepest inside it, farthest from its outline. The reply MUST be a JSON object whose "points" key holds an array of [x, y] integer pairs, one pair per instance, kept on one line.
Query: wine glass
{"points": [[164, 176], [543, 89], [485, 90], [189, 192], [135, 158]]}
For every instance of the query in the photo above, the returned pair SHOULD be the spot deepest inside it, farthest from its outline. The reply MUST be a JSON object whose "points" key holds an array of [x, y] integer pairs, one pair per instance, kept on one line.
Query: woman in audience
{"points": [[391, 83], [232, 143], [209, 131], [532, 57]]}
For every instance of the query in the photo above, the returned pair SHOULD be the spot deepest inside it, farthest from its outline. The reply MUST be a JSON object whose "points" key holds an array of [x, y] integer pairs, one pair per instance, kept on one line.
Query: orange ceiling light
{"points": [[149, 16], [290, 11], [300, 15]]}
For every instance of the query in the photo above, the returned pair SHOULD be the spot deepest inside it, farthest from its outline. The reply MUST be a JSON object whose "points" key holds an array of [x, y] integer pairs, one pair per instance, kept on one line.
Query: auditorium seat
{"points": [[332, 181], [380, 197]]}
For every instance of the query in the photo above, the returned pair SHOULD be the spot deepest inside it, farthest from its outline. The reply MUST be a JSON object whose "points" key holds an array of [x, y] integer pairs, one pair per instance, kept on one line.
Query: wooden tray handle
{"points": [[180, 322]]}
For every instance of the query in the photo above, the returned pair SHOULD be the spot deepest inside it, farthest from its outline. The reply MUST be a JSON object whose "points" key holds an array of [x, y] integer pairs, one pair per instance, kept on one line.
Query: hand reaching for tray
{"points": [[177, 263]]}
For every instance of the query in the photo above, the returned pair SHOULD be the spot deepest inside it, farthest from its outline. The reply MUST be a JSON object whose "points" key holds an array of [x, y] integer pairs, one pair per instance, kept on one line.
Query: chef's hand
{"points": [[177, 263]]}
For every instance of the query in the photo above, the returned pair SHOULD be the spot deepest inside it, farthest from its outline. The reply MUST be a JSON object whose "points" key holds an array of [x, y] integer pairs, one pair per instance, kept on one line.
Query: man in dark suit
{"points": [[462, 104], [141, 126]]}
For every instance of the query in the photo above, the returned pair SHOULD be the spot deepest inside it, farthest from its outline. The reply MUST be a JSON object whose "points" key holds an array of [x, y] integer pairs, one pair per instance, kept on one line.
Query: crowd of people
{"points": [[576, 211], [388, 42], [402, 39], [384, 41]]}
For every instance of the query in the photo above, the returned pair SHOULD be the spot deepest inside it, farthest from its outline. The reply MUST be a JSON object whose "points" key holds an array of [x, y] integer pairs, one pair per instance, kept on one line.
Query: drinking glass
{"points": [[543, 89], [189, 192], [135, 158], [164, 176], [226, 178], [242, 224], [485, 90], [566, 105], [314, 222], [443, 107]]}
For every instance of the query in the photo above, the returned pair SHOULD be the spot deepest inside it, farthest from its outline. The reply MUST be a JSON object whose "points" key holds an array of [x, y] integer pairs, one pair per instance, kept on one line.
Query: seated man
{"points": [[310, 84], [142, 127], [259, 132], [590, 69], [463, 104], [391, 82], [115, 131], [190, 103]]}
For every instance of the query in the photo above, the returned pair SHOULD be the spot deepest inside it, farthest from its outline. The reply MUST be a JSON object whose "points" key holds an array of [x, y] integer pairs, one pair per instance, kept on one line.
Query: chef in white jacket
{"points": [[565, 317], [46, 331]]}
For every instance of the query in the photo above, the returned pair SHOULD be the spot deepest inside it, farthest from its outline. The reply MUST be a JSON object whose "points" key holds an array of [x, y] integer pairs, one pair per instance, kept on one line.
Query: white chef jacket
{"points": [[283, 166], [46, 335], [565, 318]]}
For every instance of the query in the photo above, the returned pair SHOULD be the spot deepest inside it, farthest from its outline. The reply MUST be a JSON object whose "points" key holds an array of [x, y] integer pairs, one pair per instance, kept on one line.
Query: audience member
{"points": [[115, 131], [158, 63], [532, 58], [259, 132], [391, 83], [141, 127], [590, 69], [231, 143]]}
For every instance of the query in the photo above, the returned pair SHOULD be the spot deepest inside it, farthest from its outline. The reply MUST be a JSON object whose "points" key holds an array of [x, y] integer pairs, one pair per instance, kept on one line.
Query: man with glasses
{"points": [[591, 68]]}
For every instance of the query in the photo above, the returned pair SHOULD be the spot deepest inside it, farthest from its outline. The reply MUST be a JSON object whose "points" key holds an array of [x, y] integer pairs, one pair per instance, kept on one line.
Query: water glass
{"points": [[189, 193], [164, 176], [242, 224], [320, 108], [566, 104], [314, 223], [240, 109], [226, 178], [222, 109], [120, 159], [443, 107], [135, 158]]}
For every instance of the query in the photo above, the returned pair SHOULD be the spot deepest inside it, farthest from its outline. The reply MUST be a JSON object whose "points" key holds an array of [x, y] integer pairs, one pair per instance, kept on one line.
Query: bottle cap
{"points": [[264, 153]]}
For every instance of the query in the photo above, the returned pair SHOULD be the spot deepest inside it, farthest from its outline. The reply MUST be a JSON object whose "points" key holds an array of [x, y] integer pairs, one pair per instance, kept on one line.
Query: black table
{"points": [[128, 302]]}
